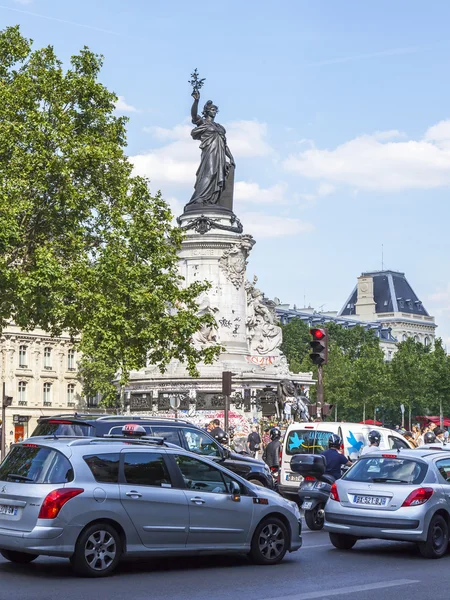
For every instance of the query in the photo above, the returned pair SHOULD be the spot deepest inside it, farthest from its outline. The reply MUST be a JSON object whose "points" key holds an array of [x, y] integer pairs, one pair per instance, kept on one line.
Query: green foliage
{"points": [[359, 381], [84, 246]]}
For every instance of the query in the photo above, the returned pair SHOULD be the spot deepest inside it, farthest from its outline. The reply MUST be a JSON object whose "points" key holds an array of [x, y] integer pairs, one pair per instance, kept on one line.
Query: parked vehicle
{"points": [[312, 438], [315, 488], [401, 495], [98, 500], [176, 431]]}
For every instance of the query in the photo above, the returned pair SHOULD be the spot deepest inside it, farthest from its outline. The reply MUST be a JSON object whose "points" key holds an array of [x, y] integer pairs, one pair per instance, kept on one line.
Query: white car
{"points": [[312, 438]]}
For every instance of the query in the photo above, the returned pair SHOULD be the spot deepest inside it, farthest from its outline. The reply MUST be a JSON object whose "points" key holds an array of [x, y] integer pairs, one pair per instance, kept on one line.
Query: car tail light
{"points": [[309, 478], [418, 497], [334, 494], [59, 422], [54, 502], [389, 455]]}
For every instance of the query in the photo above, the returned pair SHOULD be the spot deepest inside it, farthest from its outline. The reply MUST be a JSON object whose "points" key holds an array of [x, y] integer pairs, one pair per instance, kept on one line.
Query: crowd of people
{"points": [[417, 436]]}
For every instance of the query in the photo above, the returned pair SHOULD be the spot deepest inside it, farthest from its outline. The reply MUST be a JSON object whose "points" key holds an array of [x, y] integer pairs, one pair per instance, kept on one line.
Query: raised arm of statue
{"points": [[194, 110]]}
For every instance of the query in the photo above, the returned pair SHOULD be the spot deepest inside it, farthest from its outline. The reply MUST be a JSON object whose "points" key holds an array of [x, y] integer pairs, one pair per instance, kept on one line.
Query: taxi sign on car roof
{"points": [[133, 429]]}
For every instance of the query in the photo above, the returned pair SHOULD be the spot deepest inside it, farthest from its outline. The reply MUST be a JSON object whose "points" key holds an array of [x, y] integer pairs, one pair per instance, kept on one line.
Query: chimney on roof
{"points": [[365, 304]]}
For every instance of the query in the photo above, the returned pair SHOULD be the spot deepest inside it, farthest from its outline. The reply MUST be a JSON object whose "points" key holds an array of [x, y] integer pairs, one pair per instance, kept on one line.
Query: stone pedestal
{"points": [[216, 249]]}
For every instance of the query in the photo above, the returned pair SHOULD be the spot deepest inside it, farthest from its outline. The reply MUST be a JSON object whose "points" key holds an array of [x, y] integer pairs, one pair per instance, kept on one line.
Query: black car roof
{"points": [[111, 419]]}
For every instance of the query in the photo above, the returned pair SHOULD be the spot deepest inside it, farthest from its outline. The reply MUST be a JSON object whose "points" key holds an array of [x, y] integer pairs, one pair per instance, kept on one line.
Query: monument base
{"points": [[216, 250]]}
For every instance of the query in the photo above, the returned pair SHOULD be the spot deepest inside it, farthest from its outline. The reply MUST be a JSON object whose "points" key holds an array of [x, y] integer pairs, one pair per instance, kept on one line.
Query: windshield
{"points": [[64, 428], [304, 441], [35, 464], [387, 470]]}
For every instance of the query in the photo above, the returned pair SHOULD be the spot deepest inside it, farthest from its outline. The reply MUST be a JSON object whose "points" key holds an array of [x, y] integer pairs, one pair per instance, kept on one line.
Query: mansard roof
{"points": [[392, 293]]}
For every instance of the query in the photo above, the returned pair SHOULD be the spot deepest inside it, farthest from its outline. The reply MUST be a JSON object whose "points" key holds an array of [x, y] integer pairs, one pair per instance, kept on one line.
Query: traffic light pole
{"points": [[320, 398], [3, 444], [226, 414]]}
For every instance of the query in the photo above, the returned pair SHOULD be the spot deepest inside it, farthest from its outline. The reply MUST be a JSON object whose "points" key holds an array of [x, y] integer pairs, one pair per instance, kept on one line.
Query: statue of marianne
{"points": [[214, 169]]}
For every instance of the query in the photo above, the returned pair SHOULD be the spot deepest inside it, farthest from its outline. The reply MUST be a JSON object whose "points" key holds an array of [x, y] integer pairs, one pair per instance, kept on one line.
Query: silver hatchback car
{"points": [[394, 495], [96, 501]]}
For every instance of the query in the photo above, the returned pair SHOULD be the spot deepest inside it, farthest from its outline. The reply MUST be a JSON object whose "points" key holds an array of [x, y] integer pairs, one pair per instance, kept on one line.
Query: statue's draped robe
{"points": [[212, 172]]}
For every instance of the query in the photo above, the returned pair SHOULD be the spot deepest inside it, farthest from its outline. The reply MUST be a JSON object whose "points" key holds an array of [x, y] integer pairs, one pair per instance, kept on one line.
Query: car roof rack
{"points": [[145, 440], [141, 418], [73, 415]]}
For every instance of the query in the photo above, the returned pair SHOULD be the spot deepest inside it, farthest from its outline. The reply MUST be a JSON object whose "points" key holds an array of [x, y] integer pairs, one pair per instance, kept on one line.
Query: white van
{"points": [[312, 438]]}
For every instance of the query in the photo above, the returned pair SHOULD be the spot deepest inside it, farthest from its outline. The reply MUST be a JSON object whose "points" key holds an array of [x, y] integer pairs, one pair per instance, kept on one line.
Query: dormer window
{"points": [[401, 303]]}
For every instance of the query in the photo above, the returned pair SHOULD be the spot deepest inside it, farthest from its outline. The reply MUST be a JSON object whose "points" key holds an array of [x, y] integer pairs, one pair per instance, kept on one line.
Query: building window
{"points": [[404, 337], [22, 389], [426, 341], [47, 394], [71, 360], [47, 358], [71, 394], [416, 338], [23, 362]]}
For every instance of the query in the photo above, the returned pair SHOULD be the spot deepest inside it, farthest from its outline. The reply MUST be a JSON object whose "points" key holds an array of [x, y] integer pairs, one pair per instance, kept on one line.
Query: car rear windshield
{"points": [[64, 428], [35, 464], [387, 470], [304, 441]]}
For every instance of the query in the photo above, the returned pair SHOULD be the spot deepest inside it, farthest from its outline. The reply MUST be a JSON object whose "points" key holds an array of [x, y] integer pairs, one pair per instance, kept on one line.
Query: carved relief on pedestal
{"points": [[263, 334], [208, 334], [233, 261]]}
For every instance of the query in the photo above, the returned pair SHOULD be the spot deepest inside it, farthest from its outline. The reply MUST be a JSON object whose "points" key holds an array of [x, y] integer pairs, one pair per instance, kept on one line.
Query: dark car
{"points": [[179, 432]]}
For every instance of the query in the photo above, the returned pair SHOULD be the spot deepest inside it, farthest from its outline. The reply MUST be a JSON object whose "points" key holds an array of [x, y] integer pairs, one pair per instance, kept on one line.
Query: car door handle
{"points": [[198, 500], [133, 494]]}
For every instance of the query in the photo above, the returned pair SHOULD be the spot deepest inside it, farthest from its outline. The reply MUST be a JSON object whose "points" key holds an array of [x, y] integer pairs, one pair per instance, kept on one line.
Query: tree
{"points": [[408, 378], [84, 246], [368, 381], [295, 344], [438, 379]]}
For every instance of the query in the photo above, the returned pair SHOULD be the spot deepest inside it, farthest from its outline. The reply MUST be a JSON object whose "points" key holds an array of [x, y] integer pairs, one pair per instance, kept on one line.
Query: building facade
{"points": [[40, 373]]}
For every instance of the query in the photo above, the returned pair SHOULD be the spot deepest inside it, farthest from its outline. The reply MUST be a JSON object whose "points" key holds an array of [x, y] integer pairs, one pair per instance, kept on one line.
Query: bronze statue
{"points": [[216, 171]]}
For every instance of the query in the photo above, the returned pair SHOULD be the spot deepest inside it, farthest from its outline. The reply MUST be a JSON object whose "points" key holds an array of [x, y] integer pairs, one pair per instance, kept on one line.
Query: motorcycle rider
{"points": [[374, 443], [216, 431], [334, 459], [430, 438], [271, 454]]}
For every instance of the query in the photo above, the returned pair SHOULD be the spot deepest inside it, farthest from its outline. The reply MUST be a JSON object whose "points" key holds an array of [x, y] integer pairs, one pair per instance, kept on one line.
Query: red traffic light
{"points": [[318, 334]]}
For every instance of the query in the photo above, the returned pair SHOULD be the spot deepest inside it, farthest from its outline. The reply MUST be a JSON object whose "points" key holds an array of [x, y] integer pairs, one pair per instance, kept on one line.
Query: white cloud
{"points": [[247, 139], [378, 162], [245, 191], [269, 226], [122, 106], [23, 1], [441, 300]]}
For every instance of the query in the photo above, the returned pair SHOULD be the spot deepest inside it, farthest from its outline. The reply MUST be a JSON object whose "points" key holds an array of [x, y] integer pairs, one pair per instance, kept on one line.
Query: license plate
{"points": [[290, 477], [8, 510], [371, 500], [307, 505]]}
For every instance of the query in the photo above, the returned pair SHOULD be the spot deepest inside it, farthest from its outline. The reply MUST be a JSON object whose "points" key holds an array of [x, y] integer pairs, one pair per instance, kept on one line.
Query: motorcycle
{"points": [[315, 488]]}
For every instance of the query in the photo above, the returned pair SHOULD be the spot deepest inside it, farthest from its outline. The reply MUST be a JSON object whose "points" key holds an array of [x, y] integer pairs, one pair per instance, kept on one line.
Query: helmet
{"points": [[275, 434], [221, 437], [429, 438], [334, 441], [374, 437]]}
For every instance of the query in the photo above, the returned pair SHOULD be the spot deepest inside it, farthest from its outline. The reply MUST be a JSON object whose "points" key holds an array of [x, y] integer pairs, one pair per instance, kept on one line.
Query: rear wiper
{"points": [[386, 479], [21, 477]]}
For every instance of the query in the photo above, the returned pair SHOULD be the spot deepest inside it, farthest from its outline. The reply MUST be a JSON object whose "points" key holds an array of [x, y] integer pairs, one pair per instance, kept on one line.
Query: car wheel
{"points": [[270, 542], [97, 551], [313, 521], [21, 558], [436, 543], [256, 482], [342, 542]]}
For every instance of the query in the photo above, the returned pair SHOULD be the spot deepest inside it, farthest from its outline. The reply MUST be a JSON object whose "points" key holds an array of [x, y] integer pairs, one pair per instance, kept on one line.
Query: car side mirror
{"points": [[235, 491]]}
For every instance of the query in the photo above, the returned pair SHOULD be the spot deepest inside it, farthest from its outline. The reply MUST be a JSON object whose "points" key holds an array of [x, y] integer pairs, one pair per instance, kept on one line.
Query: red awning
{"points": [[371, 422], [436, 420]]}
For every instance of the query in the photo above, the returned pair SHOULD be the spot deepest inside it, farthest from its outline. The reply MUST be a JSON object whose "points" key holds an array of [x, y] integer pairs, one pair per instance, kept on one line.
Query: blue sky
{"points": [[338, 115]]}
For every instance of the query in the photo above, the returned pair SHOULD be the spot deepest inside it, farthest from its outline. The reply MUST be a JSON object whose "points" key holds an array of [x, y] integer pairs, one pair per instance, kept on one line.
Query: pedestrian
{"points": [[420, 439], [266, 437], [408, 435], [271, 454], [254, 441], [439, 433], [216, 431]]}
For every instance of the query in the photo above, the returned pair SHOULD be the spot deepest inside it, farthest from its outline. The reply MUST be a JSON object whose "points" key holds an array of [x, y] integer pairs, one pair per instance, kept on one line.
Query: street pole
{"points": [[226, 415], [441, 415], [3, 444], [319, 391], [364, 412]]}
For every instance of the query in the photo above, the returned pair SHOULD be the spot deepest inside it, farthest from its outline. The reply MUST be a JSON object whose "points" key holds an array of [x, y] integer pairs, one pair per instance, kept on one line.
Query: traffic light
{"points": [[319, 346], [7, 401], [226, 383]]}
